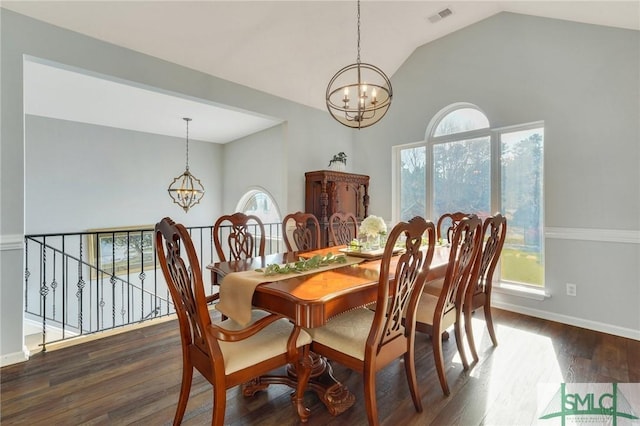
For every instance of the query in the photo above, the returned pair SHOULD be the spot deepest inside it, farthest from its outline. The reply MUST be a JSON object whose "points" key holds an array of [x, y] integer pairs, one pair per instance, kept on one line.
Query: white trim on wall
{"points": [[588, 234], [11, 242], [566, 319]]}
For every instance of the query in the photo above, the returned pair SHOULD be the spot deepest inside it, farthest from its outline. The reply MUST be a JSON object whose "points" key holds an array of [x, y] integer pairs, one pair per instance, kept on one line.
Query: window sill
{"points": [[521, 291]]}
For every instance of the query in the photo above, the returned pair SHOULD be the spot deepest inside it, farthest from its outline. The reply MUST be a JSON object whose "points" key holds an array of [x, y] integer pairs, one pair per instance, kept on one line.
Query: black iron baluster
{"points": [[64, 264], [113, 282], [125, 300], [54, 286], [80, 285], [123, 311], [98, 287], [43, 294], [27, 274]]}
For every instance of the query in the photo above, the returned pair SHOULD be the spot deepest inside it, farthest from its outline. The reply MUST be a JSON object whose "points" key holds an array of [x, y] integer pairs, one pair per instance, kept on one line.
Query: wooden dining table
{"points": [[313, 299]]}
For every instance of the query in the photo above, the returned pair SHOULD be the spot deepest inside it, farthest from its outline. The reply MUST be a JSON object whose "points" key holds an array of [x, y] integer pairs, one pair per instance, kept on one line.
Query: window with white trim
{"points": [[465, 165], [259, 202]]}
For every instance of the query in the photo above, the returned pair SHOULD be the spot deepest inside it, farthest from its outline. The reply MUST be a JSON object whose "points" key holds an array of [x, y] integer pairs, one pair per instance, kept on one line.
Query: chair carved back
{"points": [[200, 337], [450, 221], [181, 269], [305, 234], [401, 300], [494, 231], [240, 242], [343, 227], [465, 246], [478, 294]]}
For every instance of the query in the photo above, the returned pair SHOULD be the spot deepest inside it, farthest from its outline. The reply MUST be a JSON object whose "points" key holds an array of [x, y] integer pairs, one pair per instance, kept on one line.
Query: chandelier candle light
{"points": [[359, 95], [186, 190]]}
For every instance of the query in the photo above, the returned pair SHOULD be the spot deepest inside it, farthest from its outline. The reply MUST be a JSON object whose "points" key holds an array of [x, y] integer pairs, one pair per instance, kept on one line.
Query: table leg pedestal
{"points": [[333, 394], [263, 382]]}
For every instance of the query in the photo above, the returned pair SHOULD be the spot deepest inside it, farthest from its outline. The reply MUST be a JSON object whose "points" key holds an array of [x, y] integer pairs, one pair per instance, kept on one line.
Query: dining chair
{"points": [[450, 221], [367, 340], [343, 227], [301, 231], [241, 241], [437, 313], [478, 293], [223, 352]]}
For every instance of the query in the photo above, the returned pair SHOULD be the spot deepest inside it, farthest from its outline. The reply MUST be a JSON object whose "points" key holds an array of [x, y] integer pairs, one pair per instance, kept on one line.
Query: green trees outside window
{"points": [[464, 165]]}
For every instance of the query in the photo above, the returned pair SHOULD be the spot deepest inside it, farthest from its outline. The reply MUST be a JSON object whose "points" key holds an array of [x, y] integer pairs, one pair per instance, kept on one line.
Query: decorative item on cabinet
{"points": [[329, 191], [339, 162]]}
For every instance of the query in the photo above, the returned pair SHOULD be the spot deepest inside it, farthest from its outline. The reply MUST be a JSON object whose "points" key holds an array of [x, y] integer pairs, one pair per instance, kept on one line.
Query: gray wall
{"points": [[584, 82], [258, 160], [310, 138], [80, 176]]}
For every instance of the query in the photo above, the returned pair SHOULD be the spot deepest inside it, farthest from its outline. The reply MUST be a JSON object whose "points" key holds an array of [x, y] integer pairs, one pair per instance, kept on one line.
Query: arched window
{"points": [[460, 145], [257, 201], [462, 119], [465, 165]]}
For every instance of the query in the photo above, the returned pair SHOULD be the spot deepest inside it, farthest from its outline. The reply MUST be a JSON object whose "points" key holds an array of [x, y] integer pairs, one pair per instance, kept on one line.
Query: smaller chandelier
{"points": [[360, 94], [186, 190]]}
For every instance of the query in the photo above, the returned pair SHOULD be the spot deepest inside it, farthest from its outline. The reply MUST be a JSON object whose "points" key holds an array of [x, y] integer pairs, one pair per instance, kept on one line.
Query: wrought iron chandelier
{"points": [[186, 190], [370, 88]]}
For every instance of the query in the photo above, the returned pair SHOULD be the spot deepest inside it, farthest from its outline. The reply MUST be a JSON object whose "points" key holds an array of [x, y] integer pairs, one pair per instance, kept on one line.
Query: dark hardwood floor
{"points": [[134, 377]]}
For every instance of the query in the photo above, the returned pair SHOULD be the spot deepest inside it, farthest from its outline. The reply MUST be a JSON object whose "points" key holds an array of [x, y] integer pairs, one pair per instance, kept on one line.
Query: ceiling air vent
{"points": [[440, 15]]}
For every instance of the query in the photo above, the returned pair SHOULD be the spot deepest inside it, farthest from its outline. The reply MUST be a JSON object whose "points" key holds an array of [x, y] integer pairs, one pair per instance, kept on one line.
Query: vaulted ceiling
{"points": [[292, 48]]}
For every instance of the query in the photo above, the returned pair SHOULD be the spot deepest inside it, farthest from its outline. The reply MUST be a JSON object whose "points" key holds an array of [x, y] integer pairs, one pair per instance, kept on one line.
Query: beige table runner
{"points": [[236, 289]]}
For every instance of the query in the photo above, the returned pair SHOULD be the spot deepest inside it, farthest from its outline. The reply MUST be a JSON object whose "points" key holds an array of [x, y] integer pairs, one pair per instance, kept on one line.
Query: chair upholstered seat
{"points": [[348, 331], [428, 301], [426, 308], [434, 287], [272, 341]]}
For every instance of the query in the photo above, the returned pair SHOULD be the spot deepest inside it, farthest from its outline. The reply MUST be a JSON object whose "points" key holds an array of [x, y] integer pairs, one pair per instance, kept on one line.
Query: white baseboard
{"points": [[629, 333], [15, 357]]}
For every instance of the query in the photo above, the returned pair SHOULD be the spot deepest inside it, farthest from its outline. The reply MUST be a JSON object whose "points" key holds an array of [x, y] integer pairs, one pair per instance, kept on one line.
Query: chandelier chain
{"points": [[187, 120], [358, 60]]}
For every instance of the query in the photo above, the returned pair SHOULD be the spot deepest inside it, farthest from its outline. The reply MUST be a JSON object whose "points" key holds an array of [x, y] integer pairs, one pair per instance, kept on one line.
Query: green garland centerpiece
{"points": [[303, 265]]}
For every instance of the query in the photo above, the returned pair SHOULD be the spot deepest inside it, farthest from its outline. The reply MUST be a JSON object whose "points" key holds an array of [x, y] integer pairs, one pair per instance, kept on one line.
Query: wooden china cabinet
{"points": [[329, 191]]}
